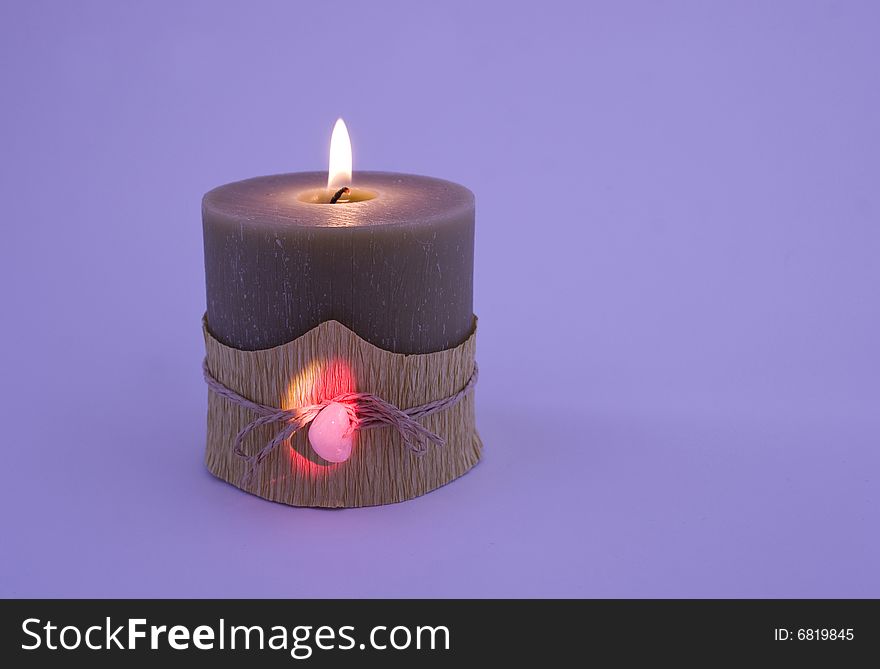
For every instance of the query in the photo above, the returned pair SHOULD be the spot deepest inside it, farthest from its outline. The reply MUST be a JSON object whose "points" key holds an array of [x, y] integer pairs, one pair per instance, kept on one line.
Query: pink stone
{"points": [[330, 433]]}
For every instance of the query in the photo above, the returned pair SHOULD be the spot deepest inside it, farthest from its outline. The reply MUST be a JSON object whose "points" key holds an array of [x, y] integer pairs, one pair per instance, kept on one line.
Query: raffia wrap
{"points": [[328, 360]]}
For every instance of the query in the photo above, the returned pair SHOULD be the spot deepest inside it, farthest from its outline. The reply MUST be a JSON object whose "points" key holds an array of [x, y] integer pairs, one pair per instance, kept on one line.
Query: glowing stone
{"points": [[330, 434]]}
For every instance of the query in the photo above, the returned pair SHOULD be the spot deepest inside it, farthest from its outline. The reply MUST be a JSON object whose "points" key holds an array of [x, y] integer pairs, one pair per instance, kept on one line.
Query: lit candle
{"points": [[390, 256]]}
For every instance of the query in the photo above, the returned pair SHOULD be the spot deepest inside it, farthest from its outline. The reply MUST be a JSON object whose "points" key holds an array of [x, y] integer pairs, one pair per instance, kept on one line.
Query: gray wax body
{"points": [[396, 269]]}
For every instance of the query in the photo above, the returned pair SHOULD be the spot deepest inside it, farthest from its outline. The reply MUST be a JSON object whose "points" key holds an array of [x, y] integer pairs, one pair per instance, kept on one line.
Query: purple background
{"points": [[677, 279]]}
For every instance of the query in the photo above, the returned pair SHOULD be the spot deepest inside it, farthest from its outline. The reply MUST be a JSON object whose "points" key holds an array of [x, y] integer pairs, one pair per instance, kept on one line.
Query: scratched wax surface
{"points": [[396, 269]]}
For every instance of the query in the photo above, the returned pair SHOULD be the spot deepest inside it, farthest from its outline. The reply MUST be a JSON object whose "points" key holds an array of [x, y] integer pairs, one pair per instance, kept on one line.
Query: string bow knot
{"points": [[365, 411]]}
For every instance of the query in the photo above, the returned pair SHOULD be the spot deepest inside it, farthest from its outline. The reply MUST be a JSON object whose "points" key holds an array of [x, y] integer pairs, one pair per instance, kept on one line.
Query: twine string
{"points": [[365, 411]]}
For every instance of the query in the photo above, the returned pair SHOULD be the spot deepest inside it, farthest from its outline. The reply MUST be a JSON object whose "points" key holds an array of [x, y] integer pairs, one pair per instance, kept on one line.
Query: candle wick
{"points": [[338, 194]]}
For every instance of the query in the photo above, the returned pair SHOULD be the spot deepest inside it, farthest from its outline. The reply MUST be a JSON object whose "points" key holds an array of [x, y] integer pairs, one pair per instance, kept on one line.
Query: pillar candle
{"points": [[392, 261]]}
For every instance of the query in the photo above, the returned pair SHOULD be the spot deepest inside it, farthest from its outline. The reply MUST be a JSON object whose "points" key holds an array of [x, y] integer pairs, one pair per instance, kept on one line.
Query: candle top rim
{"points": [[400, 199]]}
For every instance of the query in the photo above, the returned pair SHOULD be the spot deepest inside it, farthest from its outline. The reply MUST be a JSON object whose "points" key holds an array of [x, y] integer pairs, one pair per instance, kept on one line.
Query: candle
{"points": [[391, 258]]}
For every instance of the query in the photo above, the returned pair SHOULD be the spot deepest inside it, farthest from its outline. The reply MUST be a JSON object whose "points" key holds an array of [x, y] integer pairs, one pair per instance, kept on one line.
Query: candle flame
{"points": [[339, 174]]}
